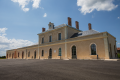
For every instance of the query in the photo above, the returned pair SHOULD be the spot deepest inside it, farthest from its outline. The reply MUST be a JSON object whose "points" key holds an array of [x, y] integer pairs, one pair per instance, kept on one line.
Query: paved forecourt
{"points": [[51, 69]]}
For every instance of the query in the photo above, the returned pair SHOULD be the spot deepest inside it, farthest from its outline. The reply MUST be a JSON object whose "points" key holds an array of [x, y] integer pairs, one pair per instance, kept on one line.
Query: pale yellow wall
{"points": [[112, 41], [20, 53], [54, 34], [10, 52], [32, 51], [83, 49], [54, 51], [82, 44]]}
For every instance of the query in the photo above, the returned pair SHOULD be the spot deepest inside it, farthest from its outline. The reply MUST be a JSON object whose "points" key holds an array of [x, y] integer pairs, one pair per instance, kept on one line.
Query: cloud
{"points": [[87, 6], [45, 15], [6, 44], [41, 7], [118, 17], [118, 43], [36, 3], [23, 3]]}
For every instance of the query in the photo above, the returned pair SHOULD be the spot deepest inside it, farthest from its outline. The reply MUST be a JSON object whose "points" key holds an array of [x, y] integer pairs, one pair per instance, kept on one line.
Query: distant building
{"points": [[118, 50], [67, 42]]}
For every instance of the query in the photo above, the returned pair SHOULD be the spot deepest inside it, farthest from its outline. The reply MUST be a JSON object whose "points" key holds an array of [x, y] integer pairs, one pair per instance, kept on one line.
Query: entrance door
{"points": [[35, 55], [22, 55], [74, 56], [50, 53], [12, 56]]}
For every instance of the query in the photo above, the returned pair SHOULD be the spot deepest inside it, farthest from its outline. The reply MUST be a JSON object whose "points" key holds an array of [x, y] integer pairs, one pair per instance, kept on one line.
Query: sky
{"points": [[22, 20]]}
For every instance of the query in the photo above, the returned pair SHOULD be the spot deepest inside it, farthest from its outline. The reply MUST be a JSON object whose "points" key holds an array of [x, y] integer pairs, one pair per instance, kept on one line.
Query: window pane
{"points": [[59, 36], [42, 52], [42, 40], [50, 38], [93, 49], [59, 52]]}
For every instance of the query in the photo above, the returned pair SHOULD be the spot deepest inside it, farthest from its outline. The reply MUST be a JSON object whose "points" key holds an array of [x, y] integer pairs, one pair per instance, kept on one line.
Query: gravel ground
{"points": [[51, 69]]}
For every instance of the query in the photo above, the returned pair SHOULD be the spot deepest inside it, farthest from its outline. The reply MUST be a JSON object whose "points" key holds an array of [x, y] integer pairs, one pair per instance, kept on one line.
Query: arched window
{"points": [[74, 56], [93, 49], [59, 36], [50, 53], [29, 54], [22, 54], [42, 52], [35, 55], [18, 54], [13, 55], [59, 52], [50, 38]]}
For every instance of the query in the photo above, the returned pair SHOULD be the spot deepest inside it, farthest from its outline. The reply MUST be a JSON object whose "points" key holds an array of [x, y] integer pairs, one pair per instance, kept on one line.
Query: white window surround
{"points": [[49, 38], [90, 48], [58, 36], [71, 50]]}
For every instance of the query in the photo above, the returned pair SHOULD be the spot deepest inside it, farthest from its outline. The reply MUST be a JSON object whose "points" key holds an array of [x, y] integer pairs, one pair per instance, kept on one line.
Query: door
{"points": [[22, 55], [74, 56], [35, 55], [50, 53]]}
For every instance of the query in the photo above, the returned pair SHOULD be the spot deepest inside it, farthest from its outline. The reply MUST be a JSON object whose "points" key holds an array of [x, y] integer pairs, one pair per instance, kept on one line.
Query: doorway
{"points": [[50, 53], [74, 56], [35, 55], [22, 55]]}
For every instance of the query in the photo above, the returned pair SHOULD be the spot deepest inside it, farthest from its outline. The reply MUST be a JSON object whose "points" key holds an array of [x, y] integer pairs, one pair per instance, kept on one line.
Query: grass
{"points": [[118, 55]]}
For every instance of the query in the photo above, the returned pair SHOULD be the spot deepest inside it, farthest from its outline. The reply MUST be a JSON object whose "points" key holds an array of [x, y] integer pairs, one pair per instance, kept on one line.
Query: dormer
{"points": [[51, 25]]}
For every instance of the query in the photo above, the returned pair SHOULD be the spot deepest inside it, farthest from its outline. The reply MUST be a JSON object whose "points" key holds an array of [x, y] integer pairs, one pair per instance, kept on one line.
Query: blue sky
{"points": [[22, 20]]}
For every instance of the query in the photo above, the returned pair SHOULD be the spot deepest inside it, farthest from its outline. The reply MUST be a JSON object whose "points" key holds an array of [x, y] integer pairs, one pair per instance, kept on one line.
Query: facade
{"points": [[67, 42]]}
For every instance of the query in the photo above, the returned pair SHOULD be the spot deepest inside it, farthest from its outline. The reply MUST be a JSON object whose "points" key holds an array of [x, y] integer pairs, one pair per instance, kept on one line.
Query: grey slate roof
{"points": [[84, 33]]}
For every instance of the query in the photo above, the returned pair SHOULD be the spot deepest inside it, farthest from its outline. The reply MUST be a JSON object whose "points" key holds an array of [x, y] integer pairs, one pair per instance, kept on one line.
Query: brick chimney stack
{"points": [[43, 29], [77, 24], [89, 26], [69, 21]]}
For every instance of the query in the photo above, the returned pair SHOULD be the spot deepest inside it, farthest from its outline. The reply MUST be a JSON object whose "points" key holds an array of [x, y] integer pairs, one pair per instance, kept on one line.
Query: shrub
{"points": [[118, 55]]}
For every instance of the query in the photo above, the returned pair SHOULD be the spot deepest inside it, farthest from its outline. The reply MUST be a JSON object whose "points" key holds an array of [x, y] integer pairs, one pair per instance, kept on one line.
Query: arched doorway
{"points": [[12, 55], [74, 56], [35, 55], [50, 53], [22, 55], [93, 49]]}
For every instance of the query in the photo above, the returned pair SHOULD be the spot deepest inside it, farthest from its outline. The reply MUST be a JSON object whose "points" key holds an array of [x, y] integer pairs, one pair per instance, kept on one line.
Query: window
{"points": [[42, 52], [50, 38], [50, 25], [59, 52], [22, 54], [93, 49], [9, 54], [42, 40], [35, 55], [29, 54], [59, 36], [18, 54]]}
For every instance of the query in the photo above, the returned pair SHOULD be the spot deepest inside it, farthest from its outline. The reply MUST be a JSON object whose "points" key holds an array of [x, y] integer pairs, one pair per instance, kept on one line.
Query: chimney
{"points": [[89, 26], [43, 29], [69, 21], [77, 24]]}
